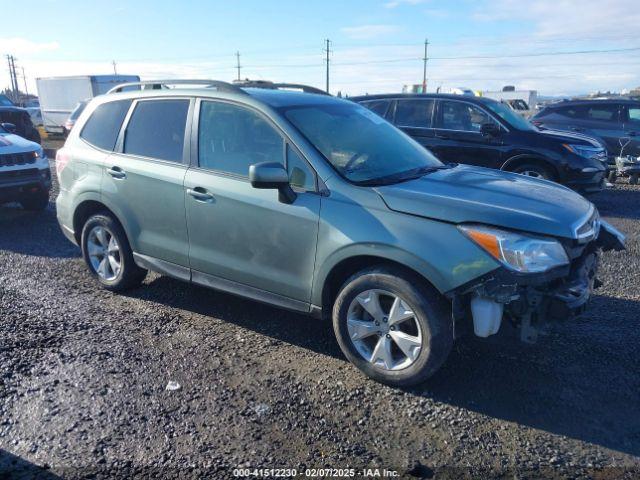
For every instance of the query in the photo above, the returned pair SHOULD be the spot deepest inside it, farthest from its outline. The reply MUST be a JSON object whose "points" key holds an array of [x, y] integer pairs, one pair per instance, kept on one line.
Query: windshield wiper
{"points": [[405, 176]]}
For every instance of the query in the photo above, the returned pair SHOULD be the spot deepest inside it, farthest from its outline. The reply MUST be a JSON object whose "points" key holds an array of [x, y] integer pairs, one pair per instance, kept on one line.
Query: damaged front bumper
{"points": [[529, 300]]}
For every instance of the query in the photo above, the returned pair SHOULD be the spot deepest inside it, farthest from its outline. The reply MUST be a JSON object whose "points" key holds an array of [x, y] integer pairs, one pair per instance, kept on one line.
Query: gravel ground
{"points": [[83, 376]]}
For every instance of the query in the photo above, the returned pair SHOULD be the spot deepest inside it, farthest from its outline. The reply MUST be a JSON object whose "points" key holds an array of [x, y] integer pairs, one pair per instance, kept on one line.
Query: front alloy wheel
{"points": [[384, 329], [393, 325]]}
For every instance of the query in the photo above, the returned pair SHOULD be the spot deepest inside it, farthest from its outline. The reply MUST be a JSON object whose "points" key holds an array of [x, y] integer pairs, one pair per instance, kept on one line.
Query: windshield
{"points": [[361, 146], [511, 117]]}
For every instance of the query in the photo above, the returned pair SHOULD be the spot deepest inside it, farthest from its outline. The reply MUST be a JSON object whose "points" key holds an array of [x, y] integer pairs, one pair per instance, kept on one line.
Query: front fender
{"points": [[436, 250]]}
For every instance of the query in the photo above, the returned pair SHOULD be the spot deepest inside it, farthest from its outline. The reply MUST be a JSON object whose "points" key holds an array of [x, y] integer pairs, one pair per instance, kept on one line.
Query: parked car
{"points": [[616, 122], [316, 204], [21, 120], [71, 121], [487, 133], [25, 176]]}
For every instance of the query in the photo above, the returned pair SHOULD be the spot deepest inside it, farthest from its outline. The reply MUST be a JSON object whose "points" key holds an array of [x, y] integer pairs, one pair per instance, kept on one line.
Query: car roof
{"points": [[451, 96], [591, 101], [265, 96]]}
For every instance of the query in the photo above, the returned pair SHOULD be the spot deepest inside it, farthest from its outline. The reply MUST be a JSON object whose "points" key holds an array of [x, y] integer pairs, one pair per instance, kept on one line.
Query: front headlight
{"points": [[585, 150], [516, 251]]}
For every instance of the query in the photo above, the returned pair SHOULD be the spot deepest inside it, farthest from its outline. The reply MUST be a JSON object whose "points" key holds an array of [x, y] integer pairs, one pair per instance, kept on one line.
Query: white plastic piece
{"points": [[487, 316]]}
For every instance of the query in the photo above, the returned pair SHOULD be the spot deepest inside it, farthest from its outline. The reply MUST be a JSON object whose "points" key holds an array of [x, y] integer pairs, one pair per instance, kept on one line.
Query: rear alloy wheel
{"points": [[392, 326], [536, 171], [108, 255]]}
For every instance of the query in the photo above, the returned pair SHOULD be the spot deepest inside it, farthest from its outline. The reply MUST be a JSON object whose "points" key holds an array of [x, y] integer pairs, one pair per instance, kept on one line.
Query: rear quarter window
{"points": [[101, 130]]}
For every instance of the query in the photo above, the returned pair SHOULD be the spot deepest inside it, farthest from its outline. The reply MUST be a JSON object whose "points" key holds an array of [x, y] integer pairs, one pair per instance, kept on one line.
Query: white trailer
{"points": [[60, 95]]}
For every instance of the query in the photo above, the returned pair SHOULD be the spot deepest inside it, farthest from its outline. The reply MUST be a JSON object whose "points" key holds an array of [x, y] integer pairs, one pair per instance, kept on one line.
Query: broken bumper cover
{"points": [[529, 299]]}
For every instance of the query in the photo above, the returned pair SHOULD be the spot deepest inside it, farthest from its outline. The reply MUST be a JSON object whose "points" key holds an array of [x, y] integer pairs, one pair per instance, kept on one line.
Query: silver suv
{"points": [[318, 205]]}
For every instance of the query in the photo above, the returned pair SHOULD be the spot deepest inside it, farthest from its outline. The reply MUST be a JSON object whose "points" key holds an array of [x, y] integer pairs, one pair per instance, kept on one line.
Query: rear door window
{"points": [[102, 128], [156, 129], [607, 112], [414, 113]]}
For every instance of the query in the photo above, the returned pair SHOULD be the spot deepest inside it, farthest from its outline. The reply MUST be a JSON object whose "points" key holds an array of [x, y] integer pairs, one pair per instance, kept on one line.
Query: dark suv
{"points": [[484, 132], [616, 122]]}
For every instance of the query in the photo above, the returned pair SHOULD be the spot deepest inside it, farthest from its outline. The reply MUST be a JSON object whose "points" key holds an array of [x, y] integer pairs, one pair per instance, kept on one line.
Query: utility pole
{"points": [[424, 72], [115, 70], [13, 77], [238, 64], [24, 77], [327, 51]]}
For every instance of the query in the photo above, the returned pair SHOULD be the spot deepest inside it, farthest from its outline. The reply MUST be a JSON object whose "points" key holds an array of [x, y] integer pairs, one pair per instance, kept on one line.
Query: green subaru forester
{"points": [[316, 204]]}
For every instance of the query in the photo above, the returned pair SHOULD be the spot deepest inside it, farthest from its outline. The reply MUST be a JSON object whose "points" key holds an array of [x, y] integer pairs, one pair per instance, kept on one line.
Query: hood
{"points": [[10, 143], [492, 197], [571, 138]]}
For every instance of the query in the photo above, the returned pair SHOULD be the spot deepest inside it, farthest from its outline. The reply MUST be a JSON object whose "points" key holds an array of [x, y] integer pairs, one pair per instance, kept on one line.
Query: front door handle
{"points": [[442, 136], [577, 129], [200, 194], [116, 172]]}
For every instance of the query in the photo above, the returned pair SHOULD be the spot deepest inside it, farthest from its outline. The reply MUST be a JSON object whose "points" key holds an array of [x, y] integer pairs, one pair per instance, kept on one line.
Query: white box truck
{"points": [[60, 95]]}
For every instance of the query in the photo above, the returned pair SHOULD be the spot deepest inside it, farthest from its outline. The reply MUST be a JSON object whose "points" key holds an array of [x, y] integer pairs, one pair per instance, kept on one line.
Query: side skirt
{"points": [[186, 274]]}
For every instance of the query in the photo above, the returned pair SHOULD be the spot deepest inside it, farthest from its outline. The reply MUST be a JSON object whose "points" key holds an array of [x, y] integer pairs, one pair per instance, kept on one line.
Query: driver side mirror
{"points": [[272, 175], [9, 127], [490, 130]]}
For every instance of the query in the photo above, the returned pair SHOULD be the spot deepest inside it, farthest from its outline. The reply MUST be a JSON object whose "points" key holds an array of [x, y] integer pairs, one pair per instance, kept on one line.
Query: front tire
{"points": [[107, 253], [392, 325]]}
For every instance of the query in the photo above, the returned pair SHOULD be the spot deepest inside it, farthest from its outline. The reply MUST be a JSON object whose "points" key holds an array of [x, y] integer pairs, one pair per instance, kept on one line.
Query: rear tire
{"points": [[107, 253], [633, 180], [398, 349], [535, 170], [36, 201], [613, 176]]}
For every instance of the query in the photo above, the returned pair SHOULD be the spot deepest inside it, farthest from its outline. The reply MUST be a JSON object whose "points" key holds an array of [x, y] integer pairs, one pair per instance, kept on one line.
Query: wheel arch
{"points": [[330, 279], [85, 209]]}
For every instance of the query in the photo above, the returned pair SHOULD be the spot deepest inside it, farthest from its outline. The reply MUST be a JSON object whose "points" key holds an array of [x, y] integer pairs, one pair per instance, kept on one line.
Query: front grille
{"points": [[11, 159]]}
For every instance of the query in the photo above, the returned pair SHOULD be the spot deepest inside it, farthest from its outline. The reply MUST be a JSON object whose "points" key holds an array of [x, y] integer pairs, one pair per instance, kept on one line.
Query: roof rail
{"points": [[164, 84], [278, 86]]}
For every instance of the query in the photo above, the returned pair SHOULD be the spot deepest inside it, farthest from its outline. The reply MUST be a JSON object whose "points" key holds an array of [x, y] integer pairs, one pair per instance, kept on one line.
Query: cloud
{"points": [[564, 18], [397, 3], [363, 32], [22, 46]]}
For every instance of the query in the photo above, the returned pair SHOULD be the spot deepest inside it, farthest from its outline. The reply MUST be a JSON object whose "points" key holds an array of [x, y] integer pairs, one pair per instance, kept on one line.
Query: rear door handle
{"points": [[200, 194], [442, 136], [577, 129], [116, 172]]}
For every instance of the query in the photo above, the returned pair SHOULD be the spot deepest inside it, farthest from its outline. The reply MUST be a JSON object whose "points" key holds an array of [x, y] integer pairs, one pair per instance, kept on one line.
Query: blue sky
{"points": [[377, 44]]}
